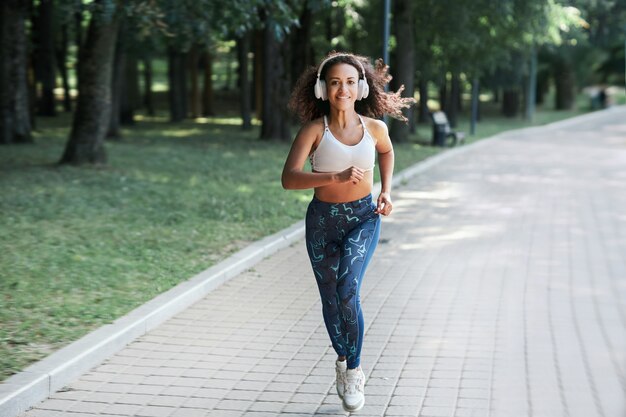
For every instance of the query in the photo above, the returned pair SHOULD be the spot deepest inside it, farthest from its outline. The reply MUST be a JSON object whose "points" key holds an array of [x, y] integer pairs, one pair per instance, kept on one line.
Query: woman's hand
{"points": [[384, 205], [352, 174]]}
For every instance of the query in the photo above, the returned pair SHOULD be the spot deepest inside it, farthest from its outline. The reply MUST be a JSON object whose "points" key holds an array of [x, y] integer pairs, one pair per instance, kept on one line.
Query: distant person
{"points": [[339, 104], [602, 98]]}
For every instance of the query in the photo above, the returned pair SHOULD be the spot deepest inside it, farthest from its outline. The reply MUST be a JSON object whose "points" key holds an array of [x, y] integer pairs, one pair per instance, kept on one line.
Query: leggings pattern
{"points": [[340, 240]]}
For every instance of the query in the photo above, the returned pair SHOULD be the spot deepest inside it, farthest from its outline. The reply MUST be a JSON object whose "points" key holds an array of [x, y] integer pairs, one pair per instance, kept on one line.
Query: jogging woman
{"points": [[339, 103]]}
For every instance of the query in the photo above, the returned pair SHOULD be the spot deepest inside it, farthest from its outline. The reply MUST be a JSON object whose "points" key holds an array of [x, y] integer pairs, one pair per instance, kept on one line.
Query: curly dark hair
{"points": [[378, 103]]}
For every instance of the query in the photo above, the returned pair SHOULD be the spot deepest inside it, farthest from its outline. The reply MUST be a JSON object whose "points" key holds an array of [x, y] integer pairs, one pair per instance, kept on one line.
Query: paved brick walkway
{"points": [[498, 290]]}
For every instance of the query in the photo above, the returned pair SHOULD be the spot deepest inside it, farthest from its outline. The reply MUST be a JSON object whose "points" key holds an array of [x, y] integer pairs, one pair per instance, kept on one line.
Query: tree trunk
{"points": [[329, 26], [78, 26], [257, 97], [31, 78], [455, 91], [565, 83], [78, 32], [475, 101], [459, 96], [275, 121], [177, 84], [404, 71], [531, 91], [543, 85], [117, 81], [208, 108], [93, 107], [510, 102], [44, 57], [194, 90], [31, 86], [423, 104], [229, 72], [301, 44], [243, 47], [61, 59], [148, 99], [15, 126], [443, 94], [129, 98]]}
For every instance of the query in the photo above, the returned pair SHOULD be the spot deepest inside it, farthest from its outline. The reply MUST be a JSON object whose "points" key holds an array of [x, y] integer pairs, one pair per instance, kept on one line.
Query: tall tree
{"points": [[208, 98], [61, 56], [275, 119], [44, 56], [177, 83], [361, 28], [193, 62], [92, 116], [257, 77], [189, 24], [606, 37], [564, 82], [125, 78], [15, 125], [303, 54], [148, 96], [486, 34], [245, 96], [403, 70], [424, 53], [117, 81], [129, 101], [203, 21], [277, 19]]}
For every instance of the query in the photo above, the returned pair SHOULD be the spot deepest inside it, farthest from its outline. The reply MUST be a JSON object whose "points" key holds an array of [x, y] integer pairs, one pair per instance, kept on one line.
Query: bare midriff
{"points": [[347, 191]]}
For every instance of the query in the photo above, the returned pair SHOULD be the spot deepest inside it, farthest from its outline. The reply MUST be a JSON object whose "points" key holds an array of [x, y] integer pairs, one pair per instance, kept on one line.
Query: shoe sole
{"points": [[352, 410]]}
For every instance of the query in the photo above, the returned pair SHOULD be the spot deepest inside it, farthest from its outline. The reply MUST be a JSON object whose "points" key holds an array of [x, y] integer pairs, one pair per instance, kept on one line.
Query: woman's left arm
{"points": [[386, 163]]}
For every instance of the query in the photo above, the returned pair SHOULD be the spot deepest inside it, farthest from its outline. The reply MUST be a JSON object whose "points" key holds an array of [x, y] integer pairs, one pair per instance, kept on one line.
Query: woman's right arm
{"points": [[294, 178]]}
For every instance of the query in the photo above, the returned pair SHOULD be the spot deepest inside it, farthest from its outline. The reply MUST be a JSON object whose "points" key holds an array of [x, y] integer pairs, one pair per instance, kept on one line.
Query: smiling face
{"points": [[342, 82]]}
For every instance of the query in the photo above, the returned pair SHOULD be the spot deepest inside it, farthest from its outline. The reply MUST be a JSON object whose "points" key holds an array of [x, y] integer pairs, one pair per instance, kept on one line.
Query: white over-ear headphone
{"points": [[320, 85]]}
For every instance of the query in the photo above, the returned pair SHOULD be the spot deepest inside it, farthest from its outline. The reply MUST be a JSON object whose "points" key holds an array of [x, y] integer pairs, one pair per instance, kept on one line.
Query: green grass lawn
{"points": [[82, 246]]}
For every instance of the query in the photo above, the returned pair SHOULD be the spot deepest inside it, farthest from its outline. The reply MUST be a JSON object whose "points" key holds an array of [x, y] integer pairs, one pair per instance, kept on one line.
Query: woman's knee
{"points": [[350, 310]]}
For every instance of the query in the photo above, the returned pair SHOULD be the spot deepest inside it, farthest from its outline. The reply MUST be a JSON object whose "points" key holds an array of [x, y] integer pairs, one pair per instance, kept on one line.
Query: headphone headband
{"points": [[319, 71]]}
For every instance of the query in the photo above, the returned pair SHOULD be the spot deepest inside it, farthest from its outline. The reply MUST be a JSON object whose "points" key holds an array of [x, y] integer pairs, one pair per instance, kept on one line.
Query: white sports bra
{"points": [[332, 155]]}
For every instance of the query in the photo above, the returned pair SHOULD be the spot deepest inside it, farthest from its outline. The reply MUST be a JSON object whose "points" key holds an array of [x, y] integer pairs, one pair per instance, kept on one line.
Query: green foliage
{"points": [[566, 24], [188, 22], [182, 23], [478, 36], [605, 34], [356, 25], [202, 21]]}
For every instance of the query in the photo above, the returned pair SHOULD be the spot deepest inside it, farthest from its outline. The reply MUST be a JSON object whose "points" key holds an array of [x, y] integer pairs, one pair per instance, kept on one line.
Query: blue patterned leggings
{"points": [[340, 240]]}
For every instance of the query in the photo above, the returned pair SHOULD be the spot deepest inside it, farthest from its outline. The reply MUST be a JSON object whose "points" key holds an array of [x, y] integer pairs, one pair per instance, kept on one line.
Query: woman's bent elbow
{"points": [[287, 184]]}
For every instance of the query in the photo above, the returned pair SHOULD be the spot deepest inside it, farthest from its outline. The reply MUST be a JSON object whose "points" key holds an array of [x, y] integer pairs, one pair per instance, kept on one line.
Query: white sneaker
{"points": [[340, 369], [354, 393]]}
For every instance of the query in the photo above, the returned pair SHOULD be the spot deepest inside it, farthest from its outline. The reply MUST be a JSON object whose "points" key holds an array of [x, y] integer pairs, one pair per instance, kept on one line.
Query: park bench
{"points": [[442, 130]]}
